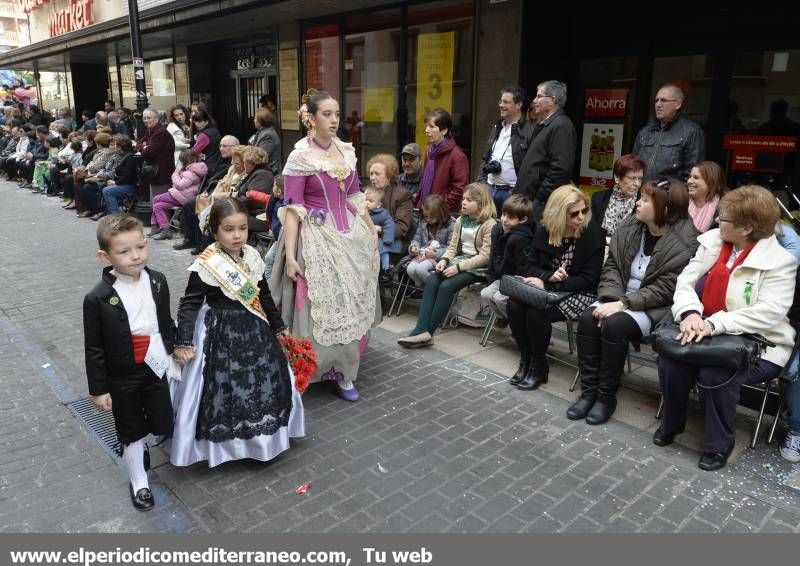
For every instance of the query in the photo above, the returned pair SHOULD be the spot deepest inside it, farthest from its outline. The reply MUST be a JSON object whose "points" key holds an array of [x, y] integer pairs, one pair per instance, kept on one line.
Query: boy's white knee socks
{"points": [[133, 454]]}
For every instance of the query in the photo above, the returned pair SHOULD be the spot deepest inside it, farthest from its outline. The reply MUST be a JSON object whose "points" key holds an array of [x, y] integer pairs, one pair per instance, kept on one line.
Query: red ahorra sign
{"points": [[606, 102]]}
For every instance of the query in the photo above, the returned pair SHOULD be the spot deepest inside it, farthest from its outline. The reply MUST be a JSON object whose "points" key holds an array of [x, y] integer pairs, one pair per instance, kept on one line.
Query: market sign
{"points": [[51, 18], [606, 102]]}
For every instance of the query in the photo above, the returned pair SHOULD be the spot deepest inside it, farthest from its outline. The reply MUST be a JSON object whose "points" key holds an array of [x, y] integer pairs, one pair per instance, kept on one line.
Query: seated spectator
{"points": [[185, 184], [566, 256], [741, 280], [430, 241], [65, 184], [385, 226], [463, 264], [610, 207], [190, 224], [257, 177], [124, 183], [790, 449], [273, 203], [42, 176], [12, 164], [383, 172], [87, 192], [706, 186], [647, 252], [37, 151], [510, 238], [7, 157]]}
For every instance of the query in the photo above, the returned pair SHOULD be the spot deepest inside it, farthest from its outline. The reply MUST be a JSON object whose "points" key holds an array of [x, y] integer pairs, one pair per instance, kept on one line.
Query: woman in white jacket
{"points": [[741, 280], [178, 127]]}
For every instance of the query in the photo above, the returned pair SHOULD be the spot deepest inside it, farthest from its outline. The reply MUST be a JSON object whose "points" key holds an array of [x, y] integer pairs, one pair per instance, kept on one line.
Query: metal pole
{"points": [[136, 54]]}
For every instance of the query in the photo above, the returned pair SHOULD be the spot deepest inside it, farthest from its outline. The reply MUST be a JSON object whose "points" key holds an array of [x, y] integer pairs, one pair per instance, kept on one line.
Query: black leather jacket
{"points": [[520, 137], [672, 150], [107, 331], [549, 159]]}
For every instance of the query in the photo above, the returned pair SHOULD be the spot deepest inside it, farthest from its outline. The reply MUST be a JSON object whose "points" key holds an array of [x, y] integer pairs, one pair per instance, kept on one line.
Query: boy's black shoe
{"points": [[143, 499]]}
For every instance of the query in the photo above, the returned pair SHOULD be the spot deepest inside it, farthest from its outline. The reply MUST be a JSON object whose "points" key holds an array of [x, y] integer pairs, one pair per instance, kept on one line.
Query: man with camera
{"points": [[550, 157], [506, 147]]}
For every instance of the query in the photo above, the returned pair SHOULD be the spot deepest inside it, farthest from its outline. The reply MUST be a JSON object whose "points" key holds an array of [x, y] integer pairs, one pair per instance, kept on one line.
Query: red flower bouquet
{"points": [[302, 358]]}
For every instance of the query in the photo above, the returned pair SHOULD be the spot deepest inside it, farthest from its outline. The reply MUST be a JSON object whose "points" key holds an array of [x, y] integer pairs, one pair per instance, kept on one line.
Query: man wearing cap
{"points": [[508, 142], [411, 159]]}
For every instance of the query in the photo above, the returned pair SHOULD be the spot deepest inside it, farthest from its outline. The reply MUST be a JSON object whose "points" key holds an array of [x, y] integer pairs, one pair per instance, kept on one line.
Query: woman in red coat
{"points": [[157, 147], [446, 171]]}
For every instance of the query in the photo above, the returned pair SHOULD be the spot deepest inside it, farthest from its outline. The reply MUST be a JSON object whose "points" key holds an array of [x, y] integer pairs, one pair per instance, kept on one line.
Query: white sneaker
{"points": [[791, 447], [346, 384]]}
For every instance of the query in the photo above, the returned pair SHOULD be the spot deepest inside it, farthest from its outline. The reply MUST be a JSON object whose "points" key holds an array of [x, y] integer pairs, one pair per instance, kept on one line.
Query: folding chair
{"points": [[175, 218]]}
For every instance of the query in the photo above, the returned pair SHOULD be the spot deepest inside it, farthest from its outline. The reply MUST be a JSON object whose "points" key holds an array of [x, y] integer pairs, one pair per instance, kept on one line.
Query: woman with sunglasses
{"points": [[566, 255], [646, 254]]}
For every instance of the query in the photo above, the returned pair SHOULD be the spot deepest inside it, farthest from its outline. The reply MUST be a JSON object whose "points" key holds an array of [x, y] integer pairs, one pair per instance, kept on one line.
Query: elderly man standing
{"points": [[411, 161], [550, 157], [671, 144], [190, 225], [157, 147]]}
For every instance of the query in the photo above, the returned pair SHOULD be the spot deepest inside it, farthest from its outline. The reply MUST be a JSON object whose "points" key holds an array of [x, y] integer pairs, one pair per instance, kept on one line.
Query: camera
{"points": [[492, 167]]}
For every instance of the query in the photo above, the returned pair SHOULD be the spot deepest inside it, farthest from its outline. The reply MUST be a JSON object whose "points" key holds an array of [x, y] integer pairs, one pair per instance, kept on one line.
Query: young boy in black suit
{"points": [[128, 333]]}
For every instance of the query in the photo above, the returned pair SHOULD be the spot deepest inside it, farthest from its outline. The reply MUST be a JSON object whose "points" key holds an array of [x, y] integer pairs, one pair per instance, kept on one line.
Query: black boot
{"points": [[611, 366], [589, 367], [536, 376], [524, 367]]}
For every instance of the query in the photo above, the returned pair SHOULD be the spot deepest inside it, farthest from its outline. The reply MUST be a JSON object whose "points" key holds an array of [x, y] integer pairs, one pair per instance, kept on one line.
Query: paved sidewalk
{"points": [[436, 444]]}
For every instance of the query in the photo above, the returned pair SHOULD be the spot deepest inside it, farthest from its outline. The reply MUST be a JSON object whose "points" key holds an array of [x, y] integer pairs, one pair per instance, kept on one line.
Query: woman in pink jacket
{"points": [[185, 185]]}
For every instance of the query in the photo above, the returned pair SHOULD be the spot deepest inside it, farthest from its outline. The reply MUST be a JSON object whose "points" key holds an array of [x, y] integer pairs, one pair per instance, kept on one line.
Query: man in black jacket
{"points": [[671, 144], [550, 157], [508, 142]]}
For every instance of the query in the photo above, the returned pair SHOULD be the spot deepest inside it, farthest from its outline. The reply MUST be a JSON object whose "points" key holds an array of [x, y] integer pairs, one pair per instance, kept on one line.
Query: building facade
{"points": [[389, 61]]}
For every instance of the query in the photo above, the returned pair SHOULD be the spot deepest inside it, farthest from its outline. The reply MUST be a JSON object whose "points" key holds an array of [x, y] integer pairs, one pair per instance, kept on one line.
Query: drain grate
{"points": [[99, 423]]}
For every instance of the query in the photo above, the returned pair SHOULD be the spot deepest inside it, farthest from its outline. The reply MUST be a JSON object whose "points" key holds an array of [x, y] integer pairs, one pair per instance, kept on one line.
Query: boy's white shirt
{"points": [[137, 299]]}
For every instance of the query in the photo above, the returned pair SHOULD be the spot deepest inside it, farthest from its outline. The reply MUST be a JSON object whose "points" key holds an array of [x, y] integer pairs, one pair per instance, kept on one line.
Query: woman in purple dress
{"points": [[325, 277]]}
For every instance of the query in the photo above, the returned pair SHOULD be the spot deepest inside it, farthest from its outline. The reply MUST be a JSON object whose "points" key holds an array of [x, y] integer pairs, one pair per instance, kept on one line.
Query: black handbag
{"points": [[514, 287], [729, 351]]}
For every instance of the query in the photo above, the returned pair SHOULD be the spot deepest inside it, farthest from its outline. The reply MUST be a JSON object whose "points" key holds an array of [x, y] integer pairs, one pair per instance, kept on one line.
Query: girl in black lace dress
{"points": [[236, 398]]}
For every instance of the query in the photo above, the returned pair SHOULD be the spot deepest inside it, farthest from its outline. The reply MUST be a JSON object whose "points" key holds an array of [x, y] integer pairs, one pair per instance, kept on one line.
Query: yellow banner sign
{"points": [[435, 58]]}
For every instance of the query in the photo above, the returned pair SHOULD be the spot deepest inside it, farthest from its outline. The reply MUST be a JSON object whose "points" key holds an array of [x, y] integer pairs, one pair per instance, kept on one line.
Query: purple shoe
{"points": [[347, 393]]}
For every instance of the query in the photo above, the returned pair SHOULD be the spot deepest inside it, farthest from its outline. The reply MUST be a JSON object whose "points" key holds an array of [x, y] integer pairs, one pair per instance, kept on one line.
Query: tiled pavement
{"points": [[438, 443]]}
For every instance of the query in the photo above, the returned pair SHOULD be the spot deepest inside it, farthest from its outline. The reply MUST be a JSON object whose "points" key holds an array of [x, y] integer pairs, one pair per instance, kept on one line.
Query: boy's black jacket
{"points": [[508, 251], [107, 332]]}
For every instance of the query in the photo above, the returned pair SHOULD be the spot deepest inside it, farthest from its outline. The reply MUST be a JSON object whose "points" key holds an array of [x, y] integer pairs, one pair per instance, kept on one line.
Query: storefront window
{"points": [[55, 91], [160, 79], [322, 59], [371, 69], [440, 66], [763, 124]]}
